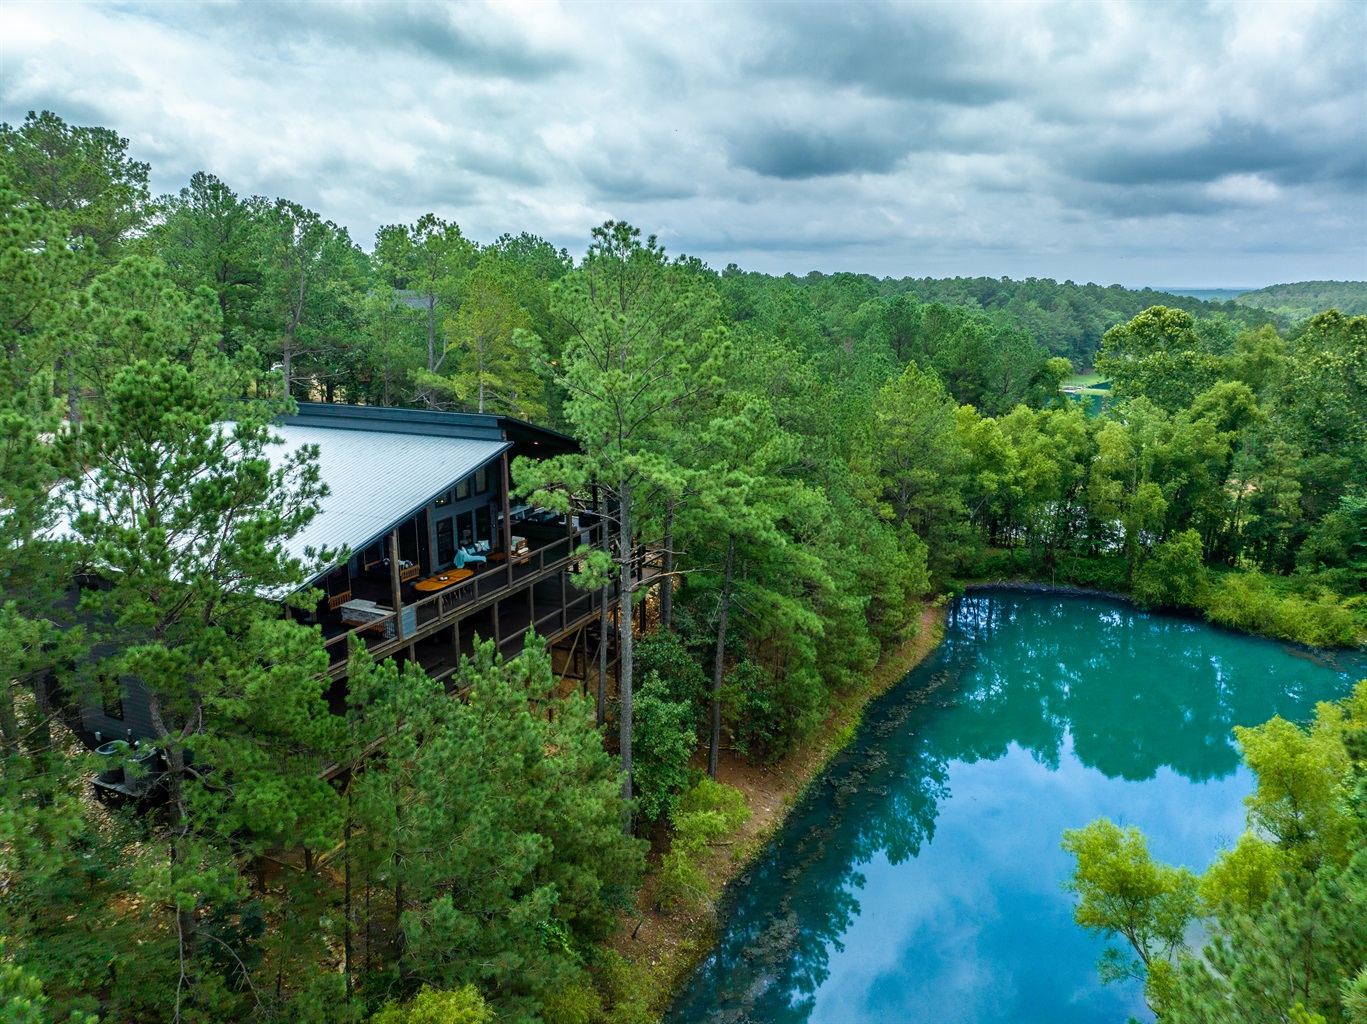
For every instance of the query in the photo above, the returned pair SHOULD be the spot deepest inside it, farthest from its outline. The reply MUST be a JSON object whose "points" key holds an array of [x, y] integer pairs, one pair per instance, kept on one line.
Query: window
{"points": [[408, 541], [463, 489], [481, 479], [482, 530], [373, 555], [465, 528], [443, 501], [446, 541]]}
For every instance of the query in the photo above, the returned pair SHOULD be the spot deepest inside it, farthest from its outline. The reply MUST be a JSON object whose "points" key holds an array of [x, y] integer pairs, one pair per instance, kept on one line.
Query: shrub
{"points": [[628, 992], [706, 813], [1174, 574], [663, 740], [575, 1003], [766, 714], [1252, 602], [431, 1006], [685, 682]]}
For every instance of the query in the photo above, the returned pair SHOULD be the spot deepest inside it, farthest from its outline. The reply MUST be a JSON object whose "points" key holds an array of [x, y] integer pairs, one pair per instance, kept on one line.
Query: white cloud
{"points": [[1123, 141]]}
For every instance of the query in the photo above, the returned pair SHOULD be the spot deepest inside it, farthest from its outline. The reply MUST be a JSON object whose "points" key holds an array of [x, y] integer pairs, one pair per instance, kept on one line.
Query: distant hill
{"points": [[1306, 298], [1068, 318], [1208, 294]]}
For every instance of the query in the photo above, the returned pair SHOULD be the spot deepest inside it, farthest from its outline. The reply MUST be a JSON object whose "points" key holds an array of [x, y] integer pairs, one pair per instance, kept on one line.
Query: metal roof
{"points": [[376, 479], [540, 441]]}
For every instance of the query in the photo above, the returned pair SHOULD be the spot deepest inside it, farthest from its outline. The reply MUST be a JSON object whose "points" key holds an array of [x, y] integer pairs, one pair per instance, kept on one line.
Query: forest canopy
{"points": [[815, 458]]}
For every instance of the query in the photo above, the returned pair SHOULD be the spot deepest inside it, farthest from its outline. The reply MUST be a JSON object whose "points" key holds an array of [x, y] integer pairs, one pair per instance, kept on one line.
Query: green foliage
{"points": [[83, 176], [1122, 891], [706, 814], [1174, 573], [663, 740], [1306, 298], [1283, 908], [541, 866], [1252, 602], [430, 1006], [574, 1003], [628, 994], [664, 654], [761, 721], [22, 1000]]}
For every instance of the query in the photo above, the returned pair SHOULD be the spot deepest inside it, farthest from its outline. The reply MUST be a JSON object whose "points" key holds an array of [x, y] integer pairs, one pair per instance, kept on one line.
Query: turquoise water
{"points": [[920, 880]]}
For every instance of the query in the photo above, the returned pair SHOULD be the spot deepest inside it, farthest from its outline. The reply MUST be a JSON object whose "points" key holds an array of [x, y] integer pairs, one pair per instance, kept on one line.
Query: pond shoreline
{"points": [[663, 948], [1180, 611], [1037, 587], [1022, 682]]}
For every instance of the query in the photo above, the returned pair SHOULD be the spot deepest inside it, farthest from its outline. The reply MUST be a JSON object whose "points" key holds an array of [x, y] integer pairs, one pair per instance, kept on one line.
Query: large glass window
{"points": [[446, 541], [463, 489], [408, 541], [481, 479], [443, 500], [482, 527], [465, 528]]}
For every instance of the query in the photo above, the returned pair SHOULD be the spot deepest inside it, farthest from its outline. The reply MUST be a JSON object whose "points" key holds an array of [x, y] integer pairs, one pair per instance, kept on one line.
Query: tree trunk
{"points": [[602, 506], [431, 332], [667, 584], [395, 584], [722, 613], [624, 639], [178, 811], [9, 721], [346, 882], [73, 392], [288, 361]]}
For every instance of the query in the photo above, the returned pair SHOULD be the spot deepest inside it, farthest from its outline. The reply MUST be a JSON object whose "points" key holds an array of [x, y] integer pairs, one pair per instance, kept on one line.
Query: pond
{"points": [[920, 880]]}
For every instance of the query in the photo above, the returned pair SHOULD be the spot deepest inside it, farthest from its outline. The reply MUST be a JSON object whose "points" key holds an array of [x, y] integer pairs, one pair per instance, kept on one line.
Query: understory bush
{"points": [[1174, 574], [706, 814], [664, 653], [627, 994], [1253, 602], [575, 1003], [431, 1006], [1099, 572], [663, 740], [768, 714]]}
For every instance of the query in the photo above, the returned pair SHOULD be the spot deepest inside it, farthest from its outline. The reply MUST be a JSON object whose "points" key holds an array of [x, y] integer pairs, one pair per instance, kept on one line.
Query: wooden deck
{"points": [[500, 602]]}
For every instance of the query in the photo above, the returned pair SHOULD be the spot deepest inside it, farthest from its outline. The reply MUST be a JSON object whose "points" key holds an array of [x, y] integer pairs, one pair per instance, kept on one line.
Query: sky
{"points": [[1196, 145]]}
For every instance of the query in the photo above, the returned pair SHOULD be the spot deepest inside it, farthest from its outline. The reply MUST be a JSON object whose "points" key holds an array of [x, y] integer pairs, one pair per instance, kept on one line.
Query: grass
{"points": [[1086, 380]]}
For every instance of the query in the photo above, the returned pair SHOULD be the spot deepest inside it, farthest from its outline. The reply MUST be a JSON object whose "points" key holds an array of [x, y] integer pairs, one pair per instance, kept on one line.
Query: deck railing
{"points": [[481, 590]]}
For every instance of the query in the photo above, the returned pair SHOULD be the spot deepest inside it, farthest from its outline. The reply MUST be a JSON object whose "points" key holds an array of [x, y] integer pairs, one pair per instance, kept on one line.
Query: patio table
{"points": [[443, 580]]}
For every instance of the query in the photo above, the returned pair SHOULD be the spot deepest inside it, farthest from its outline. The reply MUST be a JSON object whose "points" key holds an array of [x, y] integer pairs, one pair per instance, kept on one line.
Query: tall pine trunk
{"points": [[177, 812], [723, 611], [288, 361], [431, 332], [667, 584], [604, 597], [624, 639]]}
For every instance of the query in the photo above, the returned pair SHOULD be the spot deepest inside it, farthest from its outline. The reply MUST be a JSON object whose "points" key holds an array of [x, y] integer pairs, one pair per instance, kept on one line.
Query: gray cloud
{"points": [[894, 51], [797, 153], [1148, 143]]}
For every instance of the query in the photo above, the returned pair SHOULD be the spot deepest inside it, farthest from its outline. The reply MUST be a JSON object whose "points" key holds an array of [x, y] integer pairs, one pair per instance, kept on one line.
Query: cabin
{"points": [[439, 551]]}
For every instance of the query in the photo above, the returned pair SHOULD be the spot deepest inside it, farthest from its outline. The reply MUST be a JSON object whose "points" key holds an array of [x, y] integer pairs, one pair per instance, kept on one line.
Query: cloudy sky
{"points": [[1220, 145]]}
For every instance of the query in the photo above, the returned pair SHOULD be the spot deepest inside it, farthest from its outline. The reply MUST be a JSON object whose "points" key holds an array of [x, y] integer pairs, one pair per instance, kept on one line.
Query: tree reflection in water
{"points": [[1087, 680]]}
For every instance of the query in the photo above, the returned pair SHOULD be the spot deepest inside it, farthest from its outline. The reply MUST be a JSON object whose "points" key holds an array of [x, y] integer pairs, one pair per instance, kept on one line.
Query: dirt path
{"points": [[663, 947]]}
